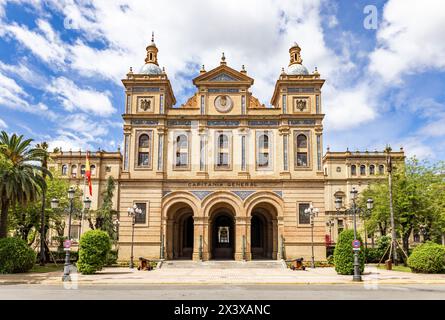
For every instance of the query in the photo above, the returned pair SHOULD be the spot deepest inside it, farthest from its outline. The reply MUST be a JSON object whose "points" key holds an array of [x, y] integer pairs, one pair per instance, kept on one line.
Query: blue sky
{"points": [[61, 63]]}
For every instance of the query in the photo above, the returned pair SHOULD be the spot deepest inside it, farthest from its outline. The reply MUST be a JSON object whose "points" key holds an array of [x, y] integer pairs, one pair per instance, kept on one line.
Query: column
{"points": [[240, 232]]}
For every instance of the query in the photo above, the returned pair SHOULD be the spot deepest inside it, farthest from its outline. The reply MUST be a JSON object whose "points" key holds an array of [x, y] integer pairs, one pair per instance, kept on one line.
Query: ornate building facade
{"points": [[223, 176]]}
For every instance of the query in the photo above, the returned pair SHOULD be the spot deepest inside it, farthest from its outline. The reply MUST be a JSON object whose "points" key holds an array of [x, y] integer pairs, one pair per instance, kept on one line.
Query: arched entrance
{"points": [[222, 233], [180, 229], [263, 232]]}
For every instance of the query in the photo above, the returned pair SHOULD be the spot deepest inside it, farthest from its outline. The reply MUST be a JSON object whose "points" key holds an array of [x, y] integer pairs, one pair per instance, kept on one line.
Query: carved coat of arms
{"points": [[301, 105]]}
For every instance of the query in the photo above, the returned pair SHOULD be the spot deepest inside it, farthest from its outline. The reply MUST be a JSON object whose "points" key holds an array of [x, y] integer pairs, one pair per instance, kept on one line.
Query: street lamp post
{"points": [[330, 223], [132, 212], [354, 210], [66, 269], [312, 212], [55, 205]]}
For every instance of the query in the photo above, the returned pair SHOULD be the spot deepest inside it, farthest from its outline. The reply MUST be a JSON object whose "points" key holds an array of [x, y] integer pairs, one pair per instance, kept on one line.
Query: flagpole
{"points": [[83, 200]]}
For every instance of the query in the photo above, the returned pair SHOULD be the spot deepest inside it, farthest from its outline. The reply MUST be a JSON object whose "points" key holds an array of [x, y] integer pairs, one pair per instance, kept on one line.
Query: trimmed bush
{"points": [[428, 257], [16, 256], [344, 255], [93, 251]]}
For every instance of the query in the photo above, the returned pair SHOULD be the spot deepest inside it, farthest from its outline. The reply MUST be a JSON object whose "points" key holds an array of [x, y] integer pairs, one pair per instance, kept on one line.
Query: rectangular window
{"points": [[303, 218], [243, 104], [263, 149], [243, 153], [284, 104], [319, 152], [285, 150], [340, 226], [142, 217], [302, 159], [160, 152], [301, 149], [223, 146], [126, 151], [181, 151], [143, 159], [161, 104], [202, 105]]}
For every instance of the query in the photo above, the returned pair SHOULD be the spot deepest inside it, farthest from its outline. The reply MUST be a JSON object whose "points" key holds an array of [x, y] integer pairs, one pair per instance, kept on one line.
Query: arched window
{"points": [[74, 171], [372, 170], [144, 150], [223, 151], [82, 170], [64, 170], [263, 155], [302, 158], [381, 169], [182, 151], [353, 170], [93, 170], [362, 170]]}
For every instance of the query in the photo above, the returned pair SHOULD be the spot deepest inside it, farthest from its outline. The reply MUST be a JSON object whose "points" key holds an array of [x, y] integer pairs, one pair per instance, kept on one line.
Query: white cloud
{"points": [[74, 98], [410, 39], [246, 32], [3, 124], [44, 42], [348, 108]]}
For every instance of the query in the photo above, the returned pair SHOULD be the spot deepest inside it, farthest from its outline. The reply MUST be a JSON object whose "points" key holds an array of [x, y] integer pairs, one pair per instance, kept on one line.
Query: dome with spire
{"points": [[295, 66], [151, 66]]}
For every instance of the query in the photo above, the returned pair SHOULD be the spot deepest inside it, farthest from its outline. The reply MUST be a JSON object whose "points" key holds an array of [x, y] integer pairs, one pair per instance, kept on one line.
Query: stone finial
{"points": [[223, 59], [243, 69], [202, 69]]}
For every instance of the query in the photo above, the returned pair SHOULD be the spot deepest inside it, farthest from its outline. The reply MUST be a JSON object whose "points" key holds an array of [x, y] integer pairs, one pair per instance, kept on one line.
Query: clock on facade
{"points": [[223, 103]]}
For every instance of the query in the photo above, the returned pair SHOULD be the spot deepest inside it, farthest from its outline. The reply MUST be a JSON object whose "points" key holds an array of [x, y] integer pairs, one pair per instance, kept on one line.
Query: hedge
{"points": [[374, 255], [16, 256], [94, 248], [428, 257], [344, 255]]}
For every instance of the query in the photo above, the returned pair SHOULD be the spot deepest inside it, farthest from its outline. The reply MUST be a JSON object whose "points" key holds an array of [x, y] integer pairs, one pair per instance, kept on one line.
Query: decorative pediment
{"points": [[223, 77], [223, 73]]}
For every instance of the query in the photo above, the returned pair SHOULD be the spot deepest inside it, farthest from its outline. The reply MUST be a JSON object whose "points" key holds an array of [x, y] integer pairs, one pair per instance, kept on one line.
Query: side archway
{"points": [[264, 210], [179, 212]]}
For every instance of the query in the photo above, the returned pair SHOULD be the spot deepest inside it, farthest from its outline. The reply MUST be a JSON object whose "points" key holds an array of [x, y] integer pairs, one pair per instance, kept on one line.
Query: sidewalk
{"points": [[371, 276]]}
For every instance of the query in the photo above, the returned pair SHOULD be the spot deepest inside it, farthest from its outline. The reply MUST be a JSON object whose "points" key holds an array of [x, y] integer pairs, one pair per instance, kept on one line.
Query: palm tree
{"points": [[21, 176]]}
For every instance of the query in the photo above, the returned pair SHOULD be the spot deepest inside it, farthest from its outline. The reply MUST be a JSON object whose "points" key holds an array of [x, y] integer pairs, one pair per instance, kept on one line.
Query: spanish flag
{"points": [[88, 174]]}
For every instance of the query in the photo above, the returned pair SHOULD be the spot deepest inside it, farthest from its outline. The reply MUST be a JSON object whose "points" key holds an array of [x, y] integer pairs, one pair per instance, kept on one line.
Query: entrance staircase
{"points": [[223, 264]]}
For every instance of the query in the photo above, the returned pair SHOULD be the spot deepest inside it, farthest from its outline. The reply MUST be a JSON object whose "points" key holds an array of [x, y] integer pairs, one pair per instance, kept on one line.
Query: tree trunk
{"points": [[4, 219]]}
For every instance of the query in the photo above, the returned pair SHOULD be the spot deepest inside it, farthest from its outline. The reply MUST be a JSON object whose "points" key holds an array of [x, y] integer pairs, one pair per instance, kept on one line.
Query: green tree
{"points": [[104, 215], [21, 180], [344, 255], [418, 201]]}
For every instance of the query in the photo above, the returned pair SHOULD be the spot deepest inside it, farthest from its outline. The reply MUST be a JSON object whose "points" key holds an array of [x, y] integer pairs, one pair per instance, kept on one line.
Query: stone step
{"points": [[223, 264]]}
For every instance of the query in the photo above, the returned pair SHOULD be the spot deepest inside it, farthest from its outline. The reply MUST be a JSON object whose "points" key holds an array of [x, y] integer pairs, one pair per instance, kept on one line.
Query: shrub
{"points": [[376, 254], [428, 257], [16, 256], [93, 251], [112, 257], [344, 255]]}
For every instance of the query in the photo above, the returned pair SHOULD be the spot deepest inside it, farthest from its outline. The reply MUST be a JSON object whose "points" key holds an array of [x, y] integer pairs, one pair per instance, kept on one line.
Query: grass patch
{"points": [[47, 268], [400, 268]]}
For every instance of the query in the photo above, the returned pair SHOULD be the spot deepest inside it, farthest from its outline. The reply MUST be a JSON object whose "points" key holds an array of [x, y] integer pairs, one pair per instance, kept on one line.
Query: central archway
{"points": [[222, 233]]}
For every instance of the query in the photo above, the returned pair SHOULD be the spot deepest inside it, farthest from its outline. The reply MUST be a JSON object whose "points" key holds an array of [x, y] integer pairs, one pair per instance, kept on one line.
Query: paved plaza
{"points": [[217, 273]]}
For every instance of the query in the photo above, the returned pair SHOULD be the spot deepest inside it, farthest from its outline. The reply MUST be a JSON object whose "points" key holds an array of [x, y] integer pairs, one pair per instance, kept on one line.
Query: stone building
{"points": [[222, 176]]}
